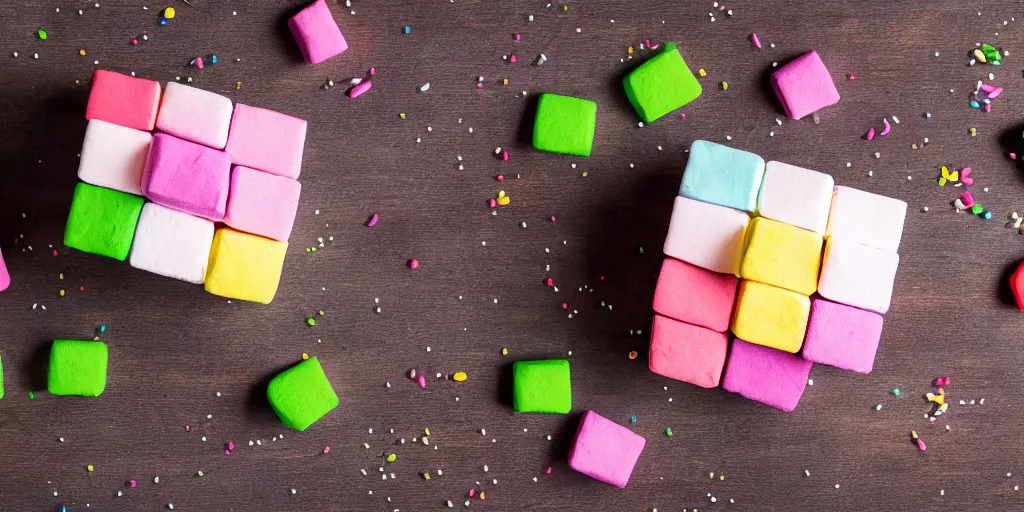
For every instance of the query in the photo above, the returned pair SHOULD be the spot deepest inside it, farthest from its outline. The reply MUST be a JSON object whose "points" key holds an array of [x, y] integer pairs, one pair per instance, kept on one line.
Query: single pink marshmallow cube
{"points": [[316, 33], [262, 203], [195, 115], [188, 177], [769, 376], [686, 352], [5, 277], [605, 450], [266, 140], [804, 86], [695, 295], [842, 336]]}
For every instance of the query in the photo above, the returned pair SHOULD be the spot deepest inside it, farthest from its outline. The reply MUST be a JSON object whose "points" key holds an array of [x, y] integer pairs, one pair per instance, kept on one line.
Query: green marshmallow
{"points": [[661, 85], [564, 124], [541, 386], [301, 395], [77, 368], [102, 221], [1, 379]]}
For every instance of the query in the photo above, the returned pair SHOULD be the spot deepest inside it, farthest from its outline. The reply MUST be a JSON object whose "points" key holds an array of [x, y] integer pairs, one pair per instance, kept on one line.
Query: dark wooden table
{"points": [[181, 357]]}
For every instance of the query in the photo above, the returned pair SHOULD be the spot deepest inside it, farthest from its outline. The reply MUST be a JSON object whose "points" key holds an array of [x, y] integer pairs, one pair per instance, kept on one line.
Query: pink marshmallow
{"points": [[187, 177], [266, 140], [695, 295], [5, 277], [804, 86], [842, 336], [686, 352], [262, 203], [316, 33], [605, 450], [769, 376], [195, 115]]}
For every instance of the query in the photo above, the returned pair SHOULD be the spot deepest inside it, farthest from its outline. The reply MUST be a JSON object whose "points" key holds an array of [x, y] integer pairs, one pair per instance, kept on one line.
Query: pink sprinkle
{"points": [[942, 381], [500, 178], [552, 218], [550, 282], [755, 40], [131, 483], [327, 449], [504, 156], [479, 85], [373, 220], [360, 88], [492, 202], [965, 176], [423, 381], [968, 199], [199, 62], [55, 252], [549, 470], [227, 453], [135, 41], [871, 134], [81, 288], [995, 92], [517, 37], [851, 76], [231, 446], [512, 59], [373, 71], [921, 445], [472, 492], [565, 305], [988, 107], [888, 127], [188, 428], [414, 263], [682, 116], [1013, 156]]}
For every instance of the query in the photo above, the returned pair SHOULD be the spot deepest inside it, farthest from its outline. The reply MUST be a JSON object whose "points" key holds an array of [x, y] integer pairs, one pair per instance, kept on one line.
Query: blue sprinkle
{"points": [[632, 419], [103, 328], [975, 104], [213, 59], [406, 29], [163, 21]]}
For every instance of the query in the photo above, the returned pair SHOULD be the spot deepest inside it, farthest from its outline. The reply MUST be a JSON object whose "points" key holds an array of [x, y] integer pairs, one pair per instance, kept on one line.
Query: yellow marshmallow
{"points": [[770, 316], [244, 266], [782, 255]]}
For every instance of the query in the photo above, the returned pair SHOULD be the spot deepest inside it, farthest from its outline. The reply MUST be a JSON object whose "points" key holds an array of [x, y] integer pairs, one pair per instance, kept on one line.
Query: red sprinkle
{"points": [[682, 116], [135, 41], [373, 71], [551, 282], [55, 252], [199, 62], [1013, 156], [565, 305], [492, 202], [472, 492], [500, 178]]}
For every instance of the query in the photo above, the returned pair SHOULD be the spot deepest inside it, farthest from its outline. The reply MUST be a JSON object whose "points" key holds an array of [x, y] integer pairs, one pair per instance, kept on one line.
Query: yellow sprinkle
{"points": [[426, 476], [565, 8], [426, 431], [62, 293], [504, 351], [169, 13], [974, 131], [501, 194], [913, 433], [305, 356], [584, 174], [78, 82], [90, 468], [81, 52], [460, 376], [629, 50], [725, 86], [980, 55], [913, 146], [61, 275], [505, 81], [702, 72], [238, 85], [721, 477], [402, 115], [482, 495]]}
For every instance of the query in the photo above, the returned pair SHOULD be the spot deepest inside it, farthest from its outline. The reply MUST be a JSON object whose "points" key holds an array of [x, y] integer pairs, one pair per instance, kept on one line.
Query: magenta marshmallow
{"points": [[188, 177]]}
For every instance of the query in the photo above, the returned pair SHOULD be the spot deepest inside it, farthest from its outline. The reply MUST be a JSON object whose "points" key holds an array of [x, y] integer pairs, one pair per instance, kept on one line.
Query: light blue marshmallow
{"points": [[722, 175]]}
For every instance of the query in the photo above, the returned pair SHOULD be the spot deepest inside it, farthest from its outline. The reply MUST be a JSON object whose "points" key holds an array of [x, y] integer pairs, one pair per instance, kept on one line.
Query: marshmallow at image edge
{"points": [[172, 244], [857, 275], [5, 277], [706, 235], [866, 218], [804, 86], [605, 450], [195, 115], [316, 33], [797, 196], [114, 156], [266, 140]]}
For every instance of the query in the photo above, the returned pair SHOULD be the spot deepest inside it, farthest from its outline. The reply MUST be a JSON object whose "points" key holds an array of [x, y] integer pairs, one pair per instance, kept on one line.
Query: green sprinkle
{"points": [[668, 431], [896, 391], [641, 249], [321, 312], [392, 457], [31, 395], [311, 321], [42, 34]]}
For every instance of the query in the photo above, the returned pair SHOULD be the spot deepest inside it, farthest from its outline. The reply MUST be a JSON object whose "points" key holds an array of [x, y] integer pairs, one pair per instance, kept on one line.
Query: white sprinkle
{"points": [[156, 479], [837, 486], [810, 382], [366, 445], [807, 472], [425, 87]]}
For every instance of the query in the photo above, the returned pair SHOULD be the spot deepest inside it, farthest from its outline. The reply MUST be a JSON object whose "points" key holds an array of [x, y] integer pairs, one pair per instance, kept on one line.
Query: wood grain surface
{"points": [[480, 286]]}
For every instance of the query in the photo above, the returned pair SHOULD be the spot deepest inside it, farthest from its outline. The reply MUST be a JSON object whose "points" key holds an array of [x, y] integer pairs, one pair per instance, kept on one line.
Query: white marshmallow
{"points": [[797, 196], [195, 115], [866, 218], [114, 156], [707, 235], [857, 275], [172, 243]]}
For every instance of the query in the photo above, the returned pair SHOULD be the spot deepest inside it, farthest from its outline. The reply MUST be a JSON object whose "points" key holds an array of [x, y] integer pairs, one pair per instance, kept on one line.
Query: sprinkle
{"points": [[632, 419], [392, 457], [701, 72], [90, 468], [459, 377], [896, 391], [807, 472], [632, 354], [668, 432], [871, 134], [755, 40], [504, 351], [169, 13], [406, 29], [422, 381], [359, 89], [414, 263], [131, 483], [425, 87], [725, 86], [373, 220], [885, 131], [42, 34]]}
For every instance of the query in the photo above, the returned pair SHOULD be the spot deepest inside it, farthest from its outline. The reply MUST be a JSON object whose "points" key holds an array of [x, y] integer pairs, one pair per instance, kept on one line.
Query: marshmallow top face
{"points": [[77, 368], [195, 115], [661, 85], [866, 218], [766, 375], [172, 244], [114, 156], [797, 196], [694, 295], [782, 255], [316, 33], [687, 352], [771, 316], [262, 203], [244, 266], [842, 336], [123, 100], [804, 86], [722, 175], [857, 275], [301, 395], [706, 235], [266, 140], [564, 124], [605, 450], [102, 221], [541, 386], [187, 176]]}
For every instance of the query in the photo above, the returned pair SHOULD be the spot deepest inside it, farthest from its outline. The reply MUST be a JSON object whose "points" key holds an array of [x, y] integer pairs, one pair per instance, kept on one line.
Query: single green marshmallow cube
{"points": [[1, 379], [564, 124], [661, 85], [301, 395], [102, 221], [541, 386], [77, 368]]}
